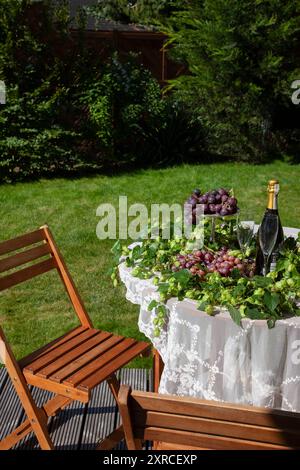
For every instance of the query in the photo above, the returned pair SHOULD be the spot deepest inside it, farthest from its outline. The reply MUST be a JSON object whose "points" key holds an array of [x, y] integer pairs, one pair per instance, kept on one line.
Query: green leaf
{"points": [[235, 273], [116, 248], [161, 309], [153, 249], [202, 306], [152, 305], [182, 276], [271, 300], [163, 287], [235, 314], [253, 313], [136, 252], [239, 290], [282, 264], [271, 322], [261, 281]]}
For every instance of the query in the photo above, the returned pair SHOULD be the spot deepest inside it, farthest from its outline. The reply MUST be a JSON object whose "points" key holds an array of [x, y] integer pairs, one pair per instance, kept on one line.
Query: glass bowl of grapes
{"points": [[217, 203]]}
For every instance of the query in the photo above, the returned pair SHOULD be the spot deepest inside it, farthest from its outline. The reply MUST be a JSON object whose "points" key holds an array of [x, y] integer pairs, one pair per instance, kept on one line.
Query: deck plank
{"points": [[137, 378], [150, 387], [11, 410], [66, 427], [3, 377], [101, 416]]}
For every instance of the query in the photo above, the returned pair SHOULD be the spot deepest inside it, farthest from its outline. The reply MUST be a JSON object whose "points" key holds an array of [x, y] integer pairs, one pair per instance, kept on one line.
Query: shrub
{"points": [[134, 121]]}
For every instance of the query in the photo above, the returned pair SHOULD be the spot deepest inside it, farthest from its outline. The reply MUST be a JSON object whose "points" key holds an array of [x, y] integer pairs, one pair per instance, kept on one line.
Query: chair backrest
{"points": [[31, 255], [194, 423]]}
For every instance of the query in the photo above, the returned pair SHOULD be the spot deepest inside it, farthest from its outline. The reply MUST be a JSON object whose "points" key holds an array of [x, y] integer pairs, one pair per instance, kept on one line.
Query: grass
{"points": [[33, 313]]}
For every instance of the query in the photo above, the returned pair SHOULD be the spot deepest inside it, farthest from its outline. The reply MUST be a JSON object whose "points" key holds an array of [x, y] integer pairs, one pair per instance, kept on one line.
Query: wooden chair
{"points": [[70, 366], [189, 423]]}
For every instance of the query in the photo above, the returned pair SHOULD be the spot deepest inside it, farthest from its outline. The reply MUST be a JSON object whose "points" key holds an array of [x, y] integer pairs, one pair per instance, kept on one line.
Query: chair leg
{"points": [[158, 367], [114, 386], [112, 440], [37, 417]]}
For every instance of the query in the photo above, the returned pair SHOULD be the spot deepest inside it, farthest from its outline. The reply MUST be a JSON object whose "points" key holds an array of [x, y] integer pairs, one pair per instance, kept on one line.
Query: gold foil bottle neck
{"points": [[273, 190]]}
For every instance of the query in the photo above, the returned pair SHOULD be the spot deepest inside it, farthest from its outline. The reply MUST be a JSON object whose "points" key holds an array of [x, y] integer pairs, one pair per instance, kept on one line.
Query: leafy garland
{"points": [[269, 298]]}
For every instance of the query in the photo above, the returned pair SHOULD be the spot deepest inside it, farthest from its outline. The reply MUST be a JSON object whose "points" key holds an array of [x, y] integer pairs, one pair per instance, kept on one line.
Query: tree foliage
{"points": [[242, 58]]}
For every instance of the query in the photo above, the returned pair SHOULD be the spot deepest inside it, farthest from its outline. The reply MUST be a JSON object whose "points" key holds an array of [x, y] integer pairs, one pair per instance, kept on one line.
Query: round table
{"points": [[211, 357]]}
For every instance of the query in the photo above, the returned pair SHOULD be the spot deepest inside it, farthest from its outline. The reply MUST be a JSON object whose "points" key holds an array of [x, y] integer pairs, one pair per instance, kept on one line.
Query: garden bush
{"points": [[69, 112], [135, 124]]}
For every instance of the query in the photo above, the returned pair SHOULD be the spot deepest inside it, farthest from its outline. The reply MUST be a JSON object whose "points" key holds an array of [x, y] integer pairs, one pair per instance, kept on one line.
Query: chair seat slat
{"points": [[24, 257], [91, 355], [83, 375], [57, 367], [117, 360], [61, 350], [26, 273], [22, 241], [50, 346]]}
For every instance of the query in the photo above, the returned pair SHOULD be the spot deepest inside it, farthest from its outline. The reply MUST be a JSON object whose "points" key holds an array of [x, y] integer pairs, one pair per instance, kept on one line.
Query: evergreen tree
{"points": [[242, 57]]}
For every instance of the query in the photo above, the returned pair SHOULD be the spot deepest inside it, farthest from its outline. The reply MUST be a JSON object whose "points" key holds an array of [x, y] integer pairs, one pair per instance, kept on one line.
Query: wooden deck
{"points": [[79, 426]]}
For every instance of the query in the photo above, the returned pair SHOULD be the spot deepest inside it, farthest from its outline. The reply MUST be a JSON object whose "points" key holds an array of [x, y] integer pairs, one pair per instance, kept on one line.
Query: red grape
{"points": [[232, 201], [214, 201], [201, 261], [211, 200], [203, 199]]}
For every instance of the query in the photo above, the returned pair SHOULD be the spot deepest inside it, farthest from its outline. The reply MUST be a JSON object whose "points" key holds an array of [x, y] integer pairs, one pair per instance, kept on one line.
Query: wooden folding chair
{"points": [[70, 366], [187, 423]]}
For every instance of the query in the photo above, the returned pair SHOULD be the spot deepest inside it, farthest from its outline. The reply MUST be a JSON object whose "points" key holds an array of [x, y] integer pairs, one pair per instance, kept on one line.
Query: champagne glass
{"points": [[245, 229], [267, 237]]}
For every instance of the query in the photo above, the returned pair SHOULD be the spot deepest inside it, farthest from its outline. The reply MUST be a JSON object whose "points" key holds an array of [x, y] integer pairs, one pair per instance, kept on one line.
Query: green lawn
{"points": [[38, 311]]}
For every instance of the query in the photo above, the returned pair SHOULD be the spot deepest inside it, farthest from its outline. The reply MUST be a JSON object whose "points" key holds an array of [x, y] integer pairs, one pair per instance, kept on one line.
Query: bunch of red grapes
{"points": [[202, 262], [215, 202]]}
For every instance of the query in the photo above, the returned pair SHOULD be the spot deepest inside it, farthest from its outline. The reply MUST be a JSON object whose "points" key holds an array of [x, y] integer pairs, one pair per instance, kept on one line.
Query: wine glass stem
{"points": [[266, 257]]}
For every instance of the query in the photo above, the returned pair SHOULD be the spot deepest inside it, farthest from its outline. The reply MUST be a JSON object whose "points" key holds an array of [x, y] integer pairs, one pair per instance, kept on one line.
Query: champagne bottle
{"points": [[270, 212]]}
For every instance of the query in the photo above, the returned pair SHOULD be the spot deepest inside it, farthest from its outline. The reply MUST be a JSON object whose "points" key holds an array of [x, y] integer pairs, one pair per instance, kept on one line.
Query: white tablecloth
{"points": [[211, 357]]}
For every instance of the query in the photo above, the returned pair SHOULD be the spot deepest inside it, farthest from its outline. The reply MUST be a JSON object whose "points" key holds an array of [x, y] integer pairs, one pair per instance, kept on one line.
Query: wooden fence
{"points": [[109, 37], [149, 46]]}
